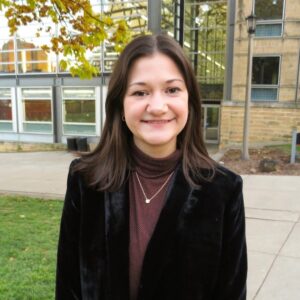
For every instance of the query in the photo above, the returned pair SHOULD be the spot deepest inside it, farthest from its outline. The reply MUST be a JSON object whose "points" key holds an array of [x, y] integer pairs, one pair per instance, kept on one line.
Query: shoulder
{"points": [[225, 184], [73, 164], [74, 174], [227, 175], [220, 175]]}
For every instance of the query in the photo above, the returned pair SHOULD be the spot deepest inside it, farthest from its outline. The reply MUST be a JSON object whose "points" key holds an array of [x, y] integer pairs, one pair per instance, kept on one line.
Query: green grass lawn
{"points": [[285, 148], [28, 242]]}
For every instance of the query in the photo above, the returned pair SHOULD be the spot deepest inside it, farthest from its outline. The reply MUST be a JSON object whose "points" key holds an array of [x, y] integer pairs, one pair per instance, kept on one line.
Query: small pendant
{"points": [[147, 201]]}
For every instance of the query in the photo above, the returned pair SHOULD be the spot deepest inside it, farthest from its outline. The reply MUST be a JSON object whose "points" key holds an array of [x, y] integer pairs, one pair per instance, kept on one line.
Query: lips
{"points": [[157, 121]]}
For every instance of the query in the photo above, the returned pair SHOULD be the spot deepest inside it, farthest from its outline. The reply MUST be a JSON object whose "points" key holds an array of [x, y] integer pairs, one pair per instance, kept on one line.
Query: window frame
{"points": [[97, 111], [13, 121], [21, 109], [270, 22], [267, 86], [205, 107], [8, 52]]}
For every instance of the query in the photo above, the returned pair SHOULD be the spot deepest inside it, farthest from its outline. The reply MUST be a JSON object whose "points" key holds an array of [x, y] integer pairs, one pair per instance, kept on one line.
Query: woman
{"points": [[147, 214]]}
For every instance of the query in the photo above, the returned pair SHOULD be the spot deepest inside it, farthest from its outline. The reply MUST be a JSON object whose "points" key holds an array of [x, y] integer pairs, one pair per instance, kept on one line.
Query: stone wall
{"points": [[271, 122], [268, 125]]}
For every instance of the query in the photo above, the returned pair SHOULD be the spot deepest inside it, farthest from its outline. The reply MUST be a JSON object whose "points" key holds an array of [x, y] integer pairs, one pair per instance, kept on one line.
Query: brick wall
{"points": [[267, 124]]}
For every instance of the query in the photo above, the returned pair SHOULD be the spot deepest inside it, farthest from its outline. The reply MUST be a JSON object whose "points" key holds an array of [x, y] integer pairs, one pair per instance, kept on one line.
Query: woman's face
{"points": [[155, 104]]}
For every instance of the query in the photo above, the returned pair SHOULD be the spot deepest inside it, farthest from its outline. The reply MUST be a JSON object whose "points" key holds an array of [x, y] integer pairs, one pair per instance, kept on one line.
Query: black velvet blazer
{"points": [[197, 250]]}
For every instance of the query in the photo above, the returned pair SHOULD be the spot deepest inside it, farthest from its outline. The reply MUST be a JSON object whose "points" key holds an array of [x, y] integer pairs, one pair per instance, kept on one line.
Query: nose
{"points": [[157, 104]]}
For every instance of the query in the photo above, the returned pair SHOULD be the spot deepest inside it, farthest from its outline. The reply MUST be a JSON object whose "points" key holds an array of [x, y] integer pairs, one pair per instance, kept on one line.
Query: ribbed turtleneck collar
{"points": [[150, 167]]}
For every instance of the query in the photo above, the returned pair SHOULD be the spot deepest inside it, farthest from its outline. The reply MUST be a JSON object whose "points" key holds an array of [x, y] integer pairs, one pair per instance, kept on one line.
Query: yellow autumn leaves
{"points": [[80, 29]]}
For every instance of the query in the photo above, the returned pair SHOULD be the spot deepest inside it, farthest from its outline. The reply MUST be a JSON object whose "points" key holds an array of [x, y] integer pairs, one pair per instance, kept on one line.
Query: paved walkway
{"points": [[272, 211]]}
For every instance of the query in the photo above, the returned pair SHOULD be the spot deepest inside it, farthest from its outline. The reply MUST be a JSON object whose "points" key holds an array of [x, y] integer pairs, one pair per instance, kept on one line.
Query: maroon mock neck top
{"points": [[152, 173]]}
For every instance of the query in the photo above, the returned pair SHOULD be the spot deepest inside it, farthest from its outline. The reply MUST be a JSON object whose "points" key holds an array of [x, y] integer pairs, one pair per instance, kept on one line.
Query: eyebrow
{"points": [[144, 83]]}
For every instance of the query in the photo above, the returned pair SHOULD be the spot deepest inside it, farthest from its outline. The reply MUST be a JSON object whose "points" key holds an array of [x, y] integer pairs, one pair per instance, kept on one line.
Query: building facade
{"points": [[41, 103], [275, 94]]}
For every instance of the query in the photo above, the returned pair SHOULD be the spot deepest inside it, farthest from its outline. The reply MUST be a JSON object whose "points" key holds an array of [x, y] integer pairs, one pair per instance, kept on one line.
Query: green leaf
{"points": [[3, 4], [67, 50], [63, 65], [31, 3], [60, 5], [86, 29], [53, 15]]}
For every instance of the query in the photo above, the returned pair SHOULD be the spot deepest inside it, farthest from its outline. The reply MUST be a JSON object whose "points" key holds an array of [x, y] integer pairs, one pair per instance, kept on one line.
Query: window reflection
{"points": [[265, 74], [5, 110], [167, 16], [79, 106], [268, 9], [265, 70], [30, 58], [80, 111], [269, 14], [37, 109], [7, 56], [210, 119], [33, 59], [135, 14], [204, 41], [5, 105]]}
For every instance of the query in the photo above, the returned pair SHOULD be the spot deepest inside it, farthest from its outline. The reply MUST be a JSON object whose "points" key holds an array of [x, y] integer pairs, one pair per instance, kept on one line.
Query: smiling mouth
{"points": [[157, 121]]}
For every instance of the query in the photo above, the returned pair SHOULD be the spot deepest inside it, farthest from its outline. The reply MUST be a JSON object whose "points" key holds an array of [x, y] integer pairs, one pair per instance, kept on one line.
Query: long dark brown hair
{"points": [[106, 167]]}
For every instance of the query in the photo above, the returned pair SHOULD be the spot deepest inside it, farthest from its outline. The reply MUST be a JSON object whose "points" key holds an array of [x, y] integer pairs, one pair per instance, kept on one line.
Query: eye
{"points": [[173, 90], [139, 93]]}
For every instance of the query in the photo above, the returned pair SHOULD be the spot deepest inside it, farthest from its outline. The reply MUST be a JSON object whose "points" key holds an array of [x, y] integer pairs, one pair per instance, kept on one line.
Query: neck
{"points": [[152, 167], [157, 151]]}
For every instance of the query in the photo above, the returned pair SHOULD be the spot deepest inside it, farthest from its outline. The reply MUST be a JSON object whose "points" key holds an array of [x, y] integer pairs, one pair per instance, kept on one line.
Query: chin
{"points": [[158, 142]]}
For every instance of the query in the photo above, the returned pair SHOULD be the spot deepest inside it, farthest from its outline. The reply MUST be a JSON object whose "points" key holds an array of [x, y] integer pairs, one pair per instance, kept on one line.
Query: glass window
{"points": [[269, 14], [5, 110], [264, 94], [210, 119], [268, 30], [136, 15], [7, 67], [269, 9], [167, 16], [212, 123], [7, 55], [205, 44], [37, 109], [265, 70], [265, 78], [33, 59], [79, 107]]}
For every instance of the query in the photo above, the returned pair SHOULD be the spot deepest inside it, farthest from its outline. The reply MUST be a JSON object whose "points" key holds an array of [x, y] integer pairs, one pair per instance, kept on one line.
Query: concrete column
{"points": [[57, 111], [154, 16], [229, 49]]}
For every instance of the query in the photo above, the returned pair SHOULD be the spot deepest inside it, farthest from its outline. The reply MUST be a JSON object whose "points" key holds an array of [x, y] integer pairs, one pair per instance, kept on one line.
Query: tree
{"points": [[80, 29]]}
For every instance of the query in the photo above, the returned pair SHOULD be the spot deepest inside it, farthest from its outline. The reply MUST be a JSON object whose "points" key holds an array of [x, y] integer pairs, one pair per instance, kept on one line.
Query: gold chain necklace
{"points": [[148, 200]]}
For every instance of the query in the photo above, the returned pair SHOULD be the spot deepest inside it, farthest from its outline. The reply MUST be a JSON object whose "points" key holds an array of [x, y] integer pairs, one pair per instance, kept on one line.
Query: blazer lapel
{"points": [[160, 244], [117, 243]]}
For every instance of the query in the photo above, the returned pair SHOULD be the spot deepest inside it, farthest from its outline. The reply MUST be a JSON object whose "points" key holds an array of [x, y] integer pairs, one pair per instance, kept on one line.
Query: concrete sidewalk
{"points": [[272, 212]]}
